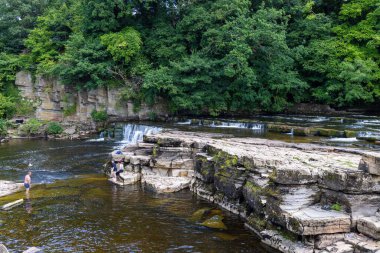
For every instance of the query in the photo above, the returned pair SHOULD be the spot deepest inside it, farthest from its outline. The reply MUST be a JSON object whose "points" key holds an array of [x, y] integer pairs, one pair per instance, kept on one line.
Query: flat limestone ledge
{"points": [[8, 187], [166, 184], [331, 167], [266, 152], [314, 220]]}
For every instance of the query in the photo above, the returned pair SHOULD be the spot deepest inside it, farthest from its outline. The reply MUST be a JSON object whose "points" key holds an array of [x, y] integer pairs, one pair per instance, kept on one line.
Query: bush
{"points": [[25, 107], [31, 127], [336, 207], [7, 107], [99, 116], [54, 128], [70, 110], [3, 127]]}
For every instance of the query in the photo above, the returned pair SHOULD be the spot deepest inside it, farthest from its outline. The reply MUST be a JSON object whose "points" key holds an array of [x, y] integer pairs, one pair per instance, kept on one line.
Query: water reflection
{"points": [[28, 203], [88, 214]]}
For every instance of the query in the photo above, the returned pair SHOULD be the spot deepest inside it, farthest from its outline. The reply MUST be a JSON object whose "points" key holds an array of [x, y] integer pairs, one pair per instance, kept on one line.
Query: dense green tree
{"points": [[347, 62], [206, 57], [17, 18], [48, 39], [85, 63]]}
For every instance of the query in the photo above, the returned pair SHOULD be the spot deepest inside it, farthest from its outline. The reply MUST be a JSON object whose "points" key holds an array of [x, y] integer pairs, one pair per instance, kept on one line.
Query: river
{"points": [[75, 209]]}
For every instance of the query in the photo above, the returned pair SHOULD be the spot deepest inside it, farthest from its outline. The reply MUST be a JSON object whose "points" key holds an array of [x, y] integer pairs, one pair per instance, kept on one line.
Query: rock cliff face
{"points": [[57, 102], [295, 197]]}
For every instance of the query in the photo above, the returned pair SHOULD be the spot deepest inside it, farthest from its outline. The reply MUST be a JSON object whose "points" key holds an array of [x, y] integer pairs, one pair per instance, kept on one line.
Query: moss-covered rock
{"points": [[216, 222], [330, 132], [350, 134], [229, 177], [204, 165], [254, 196], [259, 223], [200, 213]]}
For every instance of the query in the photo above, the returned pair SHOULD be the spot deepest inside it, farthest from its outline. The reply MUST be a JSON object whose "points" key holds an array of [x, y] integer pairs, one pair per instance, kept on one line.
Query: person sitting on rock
{"points": [[120, 167], [113, 170], [114, 167]]}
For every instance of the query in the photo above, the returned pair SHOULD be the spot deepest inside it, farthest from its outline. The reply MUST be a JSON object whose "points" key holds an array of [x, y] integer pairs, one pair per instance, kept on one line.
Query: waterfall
{"points": [[133, 133], [291, 133], [225, 124], [188, 122], [253, 126]]}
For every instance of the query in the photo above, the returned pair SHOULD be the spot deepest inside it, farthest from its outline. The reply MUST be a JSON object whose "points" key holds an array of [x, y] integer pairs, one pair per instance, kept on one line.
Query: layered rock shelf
{"points": [[8, 187], [294, 197]]}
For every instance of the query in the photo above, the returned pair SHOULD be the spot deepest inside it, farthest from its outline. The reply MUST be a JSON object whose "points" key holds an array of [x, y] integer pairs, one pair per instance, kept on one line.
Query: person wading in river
{"points": [[28, 181]]}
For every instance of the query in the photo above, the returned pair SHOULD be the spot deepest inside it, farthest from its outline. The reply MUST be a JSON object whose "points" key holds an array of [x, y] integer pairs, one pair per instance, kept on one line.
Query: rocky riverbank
{"points": [[8, 187], [33, 128], [295, 197]]}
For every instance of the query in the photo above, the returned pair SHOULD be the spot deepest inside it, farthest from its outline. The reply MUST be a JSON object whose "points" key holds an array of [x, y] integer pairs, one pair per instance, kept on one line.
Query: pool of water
{"points": [[75, 209]]}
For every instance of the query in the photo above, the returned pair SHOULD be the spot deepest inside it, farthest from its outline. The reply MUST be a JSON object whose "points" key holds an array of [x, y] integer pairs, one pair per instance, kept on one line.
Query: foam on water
{"points": [[253, 126], [343, 139]]}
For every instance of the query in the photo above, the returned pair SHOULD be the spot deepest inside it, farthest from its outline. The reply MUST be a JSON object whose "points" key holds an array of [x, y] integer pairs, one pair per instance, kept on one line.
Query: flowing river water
{"points": [[75, 209]]}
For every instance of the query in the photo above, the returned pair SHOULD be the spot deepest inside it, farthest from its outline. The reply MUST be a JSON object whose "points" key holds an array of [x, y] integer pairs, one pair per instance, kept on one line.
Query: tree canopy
{"points": [[203, 57]]}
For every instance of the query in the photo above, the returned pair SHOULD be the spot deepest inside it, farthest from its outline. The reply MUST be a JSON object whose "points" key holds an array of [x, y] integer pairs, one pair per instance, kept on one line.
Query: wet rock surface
{"points": [[295, 197], [8, 187]]}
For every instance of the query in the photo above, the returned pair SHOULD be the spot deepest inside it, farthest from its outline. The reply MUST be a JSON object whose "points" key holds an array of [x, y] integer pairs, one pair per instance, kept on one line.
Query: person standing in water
{"points": [[28, 181]]}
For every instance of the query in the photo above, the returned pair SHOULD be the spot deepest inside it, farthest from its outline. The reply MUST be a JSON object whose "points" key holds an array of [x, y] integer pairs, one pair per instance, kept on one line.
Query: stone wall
{"points": [[53, 99], [294, 197]]}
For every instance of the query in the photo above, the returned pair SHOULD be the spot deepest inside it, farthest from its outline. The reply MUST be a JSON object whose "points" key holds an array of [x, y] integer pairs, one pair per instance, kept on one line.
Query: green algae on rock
{"points": [[216, 222]]}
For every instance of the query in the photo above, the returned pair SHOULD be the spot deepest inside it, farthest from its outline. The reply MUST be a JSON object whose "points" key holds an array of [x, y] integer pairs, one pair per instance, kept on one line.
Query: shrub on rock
{"points": [[54, 128]]}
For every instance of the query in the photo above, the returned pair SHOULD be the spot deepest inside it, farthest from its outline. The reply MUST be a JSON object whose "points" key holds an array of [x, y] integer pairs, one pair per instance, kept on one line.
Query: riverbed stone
{"points": [[362, 243], [325, 240], [369, 226], [9, 187], [314, 220], [129, 178], [180, 173], [351, 181], [70, 131], [203, 189], [169, 163], [3, 249], [216, 222], [204, 166], [166, 184], [370, 163], [32, 250], [139, 160], [339, 247], [276, 240]]}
